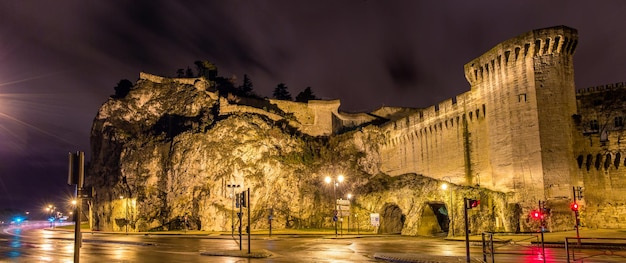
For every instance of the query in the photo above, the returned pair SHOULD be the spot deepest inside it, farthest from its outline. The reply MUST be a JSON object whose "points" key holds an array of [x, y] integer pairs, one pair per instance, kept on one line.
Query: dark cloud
{"points": [[59, 60]]}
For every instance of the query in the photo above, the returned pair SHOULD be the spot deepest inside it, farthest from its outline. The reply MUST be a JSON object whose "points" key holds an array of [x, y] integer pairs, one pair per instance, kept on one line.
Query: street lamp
{"points": [[233, 186], [50, 209], [446, 186], [335, 182]]}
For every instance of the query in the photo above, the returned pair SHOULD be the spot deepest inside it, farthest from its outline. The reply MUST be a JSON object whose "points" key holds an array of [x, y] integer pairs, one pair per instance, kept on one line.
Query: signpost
{"points": [[76, 176]]}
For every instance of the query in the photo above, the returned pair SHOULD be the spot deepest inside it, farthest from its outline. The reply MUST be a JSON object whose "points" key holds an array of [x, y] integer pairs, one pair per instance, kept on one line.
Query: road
{"points": [[31, 243]]}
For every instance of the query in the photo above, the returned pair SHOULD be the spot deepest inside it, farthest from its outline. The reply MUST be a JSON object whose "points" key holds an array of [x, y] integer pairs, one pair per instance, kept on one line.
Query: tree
{"points": [[180, 73], [206, 69], [281, 92], [189, 73], [306, 95], [122, 89], [224, 86], [246, 87]]}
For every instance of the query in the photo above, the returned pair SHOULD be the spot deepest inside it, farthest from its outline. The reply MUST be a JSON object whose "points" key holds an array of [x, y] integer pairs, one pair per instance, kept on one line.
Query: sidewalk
{"points": [[586, 235]]}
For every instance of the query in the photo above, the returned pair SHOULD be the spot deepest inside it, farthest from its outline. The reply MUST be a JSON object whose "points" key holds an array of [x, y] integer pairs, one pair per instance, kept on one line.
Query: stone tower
{"points": [[527, 83]]}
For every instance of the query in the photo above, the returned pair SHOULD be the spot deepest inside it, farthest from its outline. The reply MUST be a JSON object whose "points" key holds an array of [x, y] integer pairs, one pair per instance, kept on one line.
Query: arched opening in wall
{"points": [[392, 220], [557, 40], [607, 161], [589, 160], [546, 45], [580, 161], [598, 161], [434, 220], [618, 158]]}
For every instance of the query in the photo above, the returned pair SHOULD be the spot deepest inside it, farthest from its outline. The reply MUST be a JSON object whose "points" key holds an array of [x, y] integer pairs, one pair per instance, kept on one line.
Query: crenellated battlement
{"points": [[601, 88], [559, 40], [199, 82]]}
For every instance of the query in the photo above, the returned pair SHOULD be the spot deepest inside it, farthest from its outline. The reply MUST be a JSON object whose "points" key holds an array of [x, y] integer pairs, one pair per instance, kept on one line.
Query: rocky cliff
{"points": [[164, 157]]}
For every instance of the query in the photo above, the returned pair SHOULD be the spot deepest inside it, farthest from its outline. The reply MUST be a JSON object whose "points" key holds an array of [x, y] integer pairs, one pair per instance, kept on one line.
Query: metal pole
{"points": [[232, 217], [576, 215], [484, 248], [543, 249], [567, 249], [335, 216], [240, 217], [467, 251], [77, 236], [493, 259], [248, 227]]}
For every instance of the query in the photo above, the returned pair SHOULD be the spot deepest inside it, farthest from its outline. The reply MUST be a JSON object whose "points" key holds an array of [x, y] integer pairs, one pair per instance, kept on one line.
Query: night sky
{"points": [[59, 60]]}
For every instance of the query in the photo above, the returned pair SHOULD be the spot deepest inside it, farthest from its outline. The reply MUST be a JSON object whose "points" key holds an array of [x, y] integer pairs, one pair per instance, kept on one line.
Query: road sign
{"points": [[375, 219], [343, 207], [343, 202], [344, 213]]}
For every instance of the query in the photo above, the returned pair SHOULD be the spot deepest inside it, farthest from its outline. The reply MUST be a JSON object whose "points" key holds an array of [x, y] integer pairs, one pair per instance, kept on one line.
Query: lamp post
{"points": [[50, 209], [446, 186], [232, 196], [335, 182]]}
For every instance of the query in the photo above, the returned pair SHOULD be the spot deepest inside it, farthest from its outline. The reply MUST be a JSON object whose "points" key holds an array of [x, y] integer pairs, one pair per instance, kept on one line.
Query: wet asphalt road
{"points": [[32, 243]]}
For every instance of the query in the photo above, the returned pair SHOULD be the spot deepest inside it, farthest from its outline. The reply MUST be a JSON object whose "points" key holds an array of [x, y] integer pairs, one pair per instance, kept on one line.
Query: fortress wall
{"points": [[226, 108], [159, 79], [515, 87], [600, 155], [324, 112], [431, 141], [600, 89], [602, 167], [528, 83]]}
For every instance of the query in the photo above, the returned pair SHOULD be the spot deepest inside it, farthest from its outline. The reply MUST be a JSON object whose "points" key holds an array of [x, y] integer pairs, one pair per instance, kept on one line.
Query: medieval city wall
{"points": [[511, 132], [600, 153]]}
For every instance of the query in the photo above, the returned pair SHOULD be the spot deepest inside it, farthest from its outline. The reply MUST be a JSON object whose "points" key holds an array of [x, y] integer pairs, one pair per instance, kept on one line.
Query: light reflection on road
{"points": [[31, 244]]}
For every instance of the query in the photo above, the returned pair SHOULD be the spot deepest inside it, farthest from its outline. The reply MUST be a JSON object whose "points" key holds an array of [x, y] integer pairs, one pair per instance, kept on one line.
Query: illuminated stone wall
{"points": [[512, 132], [600, 154]]}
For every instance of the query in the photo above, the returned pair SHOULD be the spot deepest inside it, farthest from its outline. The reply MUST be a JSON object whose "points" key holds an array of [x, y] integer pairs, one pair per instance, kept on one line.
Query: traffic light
{"points": [[574, 207], [243, 199], [536, 214], [471, 203]]}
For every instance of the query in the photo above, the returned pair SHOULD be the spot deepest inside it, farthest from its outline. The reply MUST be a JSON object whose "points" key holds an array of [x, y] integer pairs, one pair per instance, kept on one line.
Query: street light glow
{"points": [[327, 179], [444, 186], [340, 178]]}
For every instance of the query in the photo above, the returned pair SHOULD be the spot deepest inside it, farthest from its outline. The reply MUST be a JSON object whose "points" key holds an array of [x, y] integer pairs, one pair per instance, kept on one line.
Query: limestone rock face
{"points": [[165, 157]]}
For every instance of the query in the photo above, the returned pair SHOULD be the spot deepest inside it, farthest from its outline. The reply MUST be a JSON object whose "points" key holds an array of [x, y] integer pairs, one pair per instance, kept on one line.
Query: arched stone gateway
{"points": [[392, 220], [434, 220]]}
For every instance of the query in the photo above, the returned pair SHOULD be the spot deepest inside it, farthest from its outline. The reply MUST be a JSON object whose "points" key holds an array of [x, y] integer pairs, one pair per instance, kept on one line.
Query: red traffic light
{"points": [[574, 206], [471, 203], [536, 214]]}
